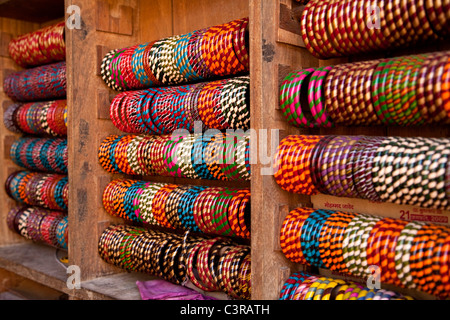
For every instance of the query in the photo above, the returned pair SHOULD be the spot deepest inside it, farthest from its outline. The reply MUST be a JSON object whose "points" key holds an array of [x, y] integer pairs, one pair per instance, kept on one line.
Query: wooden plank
{"points": [[267, 55], [116, 16], [86, 121], [9, 28], [18, 263], [14, 287], [8, 141], [288, 21], [5, 38], [120, 286]]}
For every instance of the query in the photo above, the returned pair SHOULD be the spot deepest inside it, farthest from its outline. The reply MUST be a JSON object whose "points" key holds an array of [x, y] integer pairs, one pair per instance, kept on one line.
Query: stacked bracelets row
{"points": [[404, 91], [333, 28], [39, 225], [306, 286], [44, 46], [49, 191], [214, 264], [411, 171], [409, 254], [40, 154], [37, 118], [216, 156], [220, 104], [213, 52], [212, 210], [38, 84]]}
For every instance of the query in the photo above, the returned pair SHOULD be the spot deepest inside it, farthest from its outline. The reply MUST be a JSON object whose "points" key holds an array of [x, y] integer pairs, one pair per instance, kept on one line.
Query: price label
{"points": [[392, 210]]}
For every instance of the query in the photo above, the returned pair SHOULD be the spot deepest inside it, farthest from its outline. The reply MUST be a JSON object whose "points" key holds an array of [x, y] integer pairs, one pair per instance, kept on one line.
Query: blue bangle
{"points": [[128, 200], [61, 230], [29, 155], [112, 155], [60, 152], [181, 55], [310, 237], [291, 285], [16, 156], [306, 239], [43, 155]]}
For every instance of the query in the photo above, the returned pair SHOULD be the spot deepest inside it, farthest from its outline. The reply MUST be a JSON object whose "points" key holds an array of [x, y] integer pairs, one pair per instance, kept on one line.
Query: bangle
{"points": [[191, 263], [181, 56], [203, 266], [158, 204], [291, 284], [186, 206], [315, 97], [171, 206], [237, 213]]}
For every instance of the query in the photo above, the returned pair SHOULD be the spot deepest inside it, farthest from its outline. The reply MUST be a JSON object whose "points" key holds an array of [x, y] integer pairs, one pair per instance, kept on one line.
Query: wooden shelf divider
{"points": [[276, 48]]}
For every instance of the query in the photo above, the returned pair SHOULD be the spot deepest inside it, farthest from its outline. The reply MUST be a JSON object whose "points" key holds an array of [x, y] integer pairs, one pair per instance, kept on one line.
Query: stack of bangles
{"points": [[218, 156], [213, 52], [211, 264], [334, 28], [40, 225], [409, 254], [220, 104], [38, 84], [47, 118], [401, 170], [404, 91], [207, 210], [40, 154], [45, 190], [44, 46], [307, 286]]}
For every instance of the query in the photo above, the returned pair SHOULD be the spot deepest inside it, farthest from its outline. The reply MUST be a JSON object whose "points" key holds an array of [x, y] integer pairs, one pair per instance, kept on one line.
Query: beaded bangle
{"points": [[408, 253], [405, 25]]}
